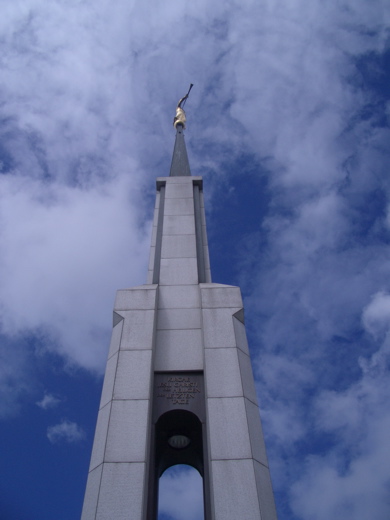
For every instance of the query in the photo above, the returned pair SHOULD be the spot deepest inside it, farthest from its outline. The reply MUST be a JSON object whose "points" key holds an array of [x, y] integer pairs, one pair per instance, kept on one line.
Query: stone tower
{"points": [[178, 387]]}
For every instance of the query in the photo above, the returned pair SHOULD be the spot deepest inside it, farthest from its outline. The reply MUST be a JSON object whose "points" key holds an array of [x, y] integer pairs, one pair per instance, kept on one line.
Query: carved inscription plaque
{"points": [[178, 390]]}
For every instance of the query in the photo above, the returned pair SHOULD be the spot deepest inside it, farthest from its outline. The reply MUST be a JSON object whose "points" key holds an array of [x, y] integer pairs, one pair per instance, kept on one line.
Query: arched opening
{"points": [[181, 494], [179, 474]]}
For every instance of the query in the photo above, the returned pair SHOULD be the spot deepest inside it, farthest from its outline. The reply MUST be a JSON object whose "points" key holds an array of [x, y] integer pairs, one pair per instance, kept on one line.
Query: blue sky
{"points": [[288, 122]]}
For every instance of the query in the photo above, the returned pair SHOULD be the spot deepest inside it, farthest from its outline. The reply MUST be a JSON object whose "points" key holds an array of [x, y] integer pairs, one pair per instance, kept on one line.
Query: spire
{"points": [[194, 400], [180, 165]]}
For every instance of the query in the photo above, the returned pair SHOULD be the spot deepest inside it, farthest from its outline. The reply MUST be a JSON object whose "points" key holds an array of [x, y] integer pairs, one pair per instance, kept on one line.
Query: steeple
{"points": [[180, 165], [178, 387]]}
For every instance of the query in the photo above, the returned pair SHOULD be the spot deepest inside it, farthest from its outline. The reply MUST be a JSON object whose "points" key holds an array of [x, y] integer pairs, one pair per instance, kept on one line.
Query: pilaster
{"points": [[117, 475]]}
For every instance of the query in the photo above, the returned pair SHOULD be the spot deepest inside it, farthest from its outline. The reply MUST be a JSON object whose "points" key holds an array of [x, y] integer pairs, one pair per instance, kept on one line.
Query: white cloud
{"points": [[180, 493], [358, 493], [376, 316], [87, 100], [65, 431], [56, 247], [48, 401], [351, 479], [321, 259]]}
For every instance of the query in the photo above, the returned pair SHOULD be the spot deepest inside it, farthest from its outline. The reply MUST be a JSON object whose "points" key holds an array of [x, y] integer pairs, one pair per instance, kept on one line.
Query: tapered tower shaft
{"points": [[179, 387]]}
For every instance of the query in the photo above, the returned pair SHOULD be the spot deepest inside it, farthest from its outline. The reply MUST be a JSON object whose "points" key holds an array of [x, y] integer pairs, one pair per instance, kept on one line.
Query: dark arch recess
{"points": [[178, 422]]}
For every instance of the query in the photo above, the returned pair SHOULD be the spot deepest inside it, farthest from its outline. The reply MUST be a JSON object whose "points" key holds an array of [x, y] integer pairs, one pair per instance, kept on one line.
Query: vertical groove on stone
{"points": [[157, 253], [198, 234]]}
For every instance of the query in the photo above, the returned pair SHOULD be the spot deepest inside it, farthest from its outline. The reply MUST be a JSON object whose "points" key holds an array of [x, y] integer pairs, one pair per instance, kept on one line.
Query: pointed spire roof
{"points": [[180, 165]]}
